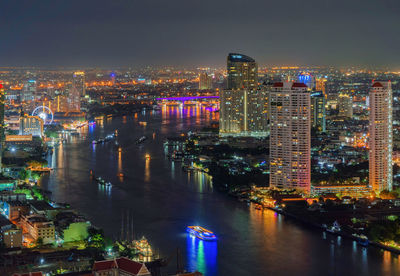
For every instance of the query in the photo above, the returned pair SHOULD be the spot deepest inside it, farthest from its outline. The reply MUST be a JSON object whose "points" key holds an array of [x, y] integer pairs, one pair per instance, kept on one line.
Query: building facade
{"points": [[205, 81], [380, 136], [345, 103], [290, 136], [242, 104], [79, 82], [31, 125], [318, 113]]}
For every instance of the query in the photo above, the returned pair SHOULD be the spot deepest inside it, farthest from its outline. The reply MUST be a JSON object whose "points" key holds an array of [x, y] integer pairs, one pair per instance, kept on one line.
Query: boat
{"points": [[148, 157], [335, 228], [143, 123], [361, 239], [141, 139], [201, 233], [177, 156], [102, 182]]}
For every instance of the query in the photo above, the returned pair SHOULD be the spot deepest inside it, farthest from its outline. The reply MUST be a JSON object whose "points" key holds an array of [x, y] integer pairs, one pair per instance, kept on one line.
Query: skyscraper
{"points": [[79, 82], [29, 91], [318, 113], [242, 103], [380, 136], [205, 81], [73, 99], [345, 105], [290, 138]]}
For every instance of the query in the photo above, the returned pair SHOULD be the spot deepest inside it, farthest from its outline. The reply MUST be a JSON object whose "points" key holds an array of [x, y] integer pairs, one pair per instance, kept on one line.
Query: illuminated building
{"points": [[79, 82], [205, 81], [10, 236], [38, 227], [380, 136], [31, 125], [73, 99], [307, 79], [345, 103], [355, 191], [29, 91], [320, 85], [318, 114], [241, 103], [290, 136]]}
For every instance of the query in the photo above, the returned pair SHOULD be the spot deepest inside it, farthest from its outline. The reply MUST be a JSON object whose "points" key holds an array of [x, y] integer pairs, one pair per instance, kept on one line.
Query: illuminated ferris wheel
{"points": [[44, 113]]}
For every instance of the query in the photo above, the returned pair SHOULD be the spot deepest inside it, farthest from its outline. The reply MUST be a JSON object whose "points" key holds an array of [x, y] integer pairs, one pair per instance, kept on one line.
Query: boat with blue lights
{"points": [[201, 233]]}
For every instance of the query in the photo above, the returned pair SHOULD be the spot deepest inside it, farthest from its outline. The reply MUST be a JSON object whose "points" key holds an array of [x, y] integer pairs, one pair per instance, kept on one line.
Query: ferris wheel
{"points": [[44, 113]]}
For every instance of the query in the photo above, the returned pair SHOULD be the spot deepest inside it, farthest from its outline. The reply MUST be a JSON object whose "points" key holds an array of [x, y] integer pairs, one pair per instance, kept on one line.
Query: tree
{"points": [[24, 174]]}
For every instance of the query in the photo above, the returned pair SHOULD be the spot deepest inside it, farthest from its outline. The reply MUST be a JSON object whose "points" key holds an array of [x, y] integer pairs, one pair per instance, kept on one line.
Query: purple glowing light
{"points": [[187, 98]]}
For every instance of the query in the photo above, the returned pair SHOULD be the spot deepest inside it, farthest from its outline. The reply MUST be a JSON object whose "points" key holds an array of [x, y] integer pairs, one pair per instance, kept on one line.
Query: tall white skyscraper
{"points": [[290, 138], [380, 136]]}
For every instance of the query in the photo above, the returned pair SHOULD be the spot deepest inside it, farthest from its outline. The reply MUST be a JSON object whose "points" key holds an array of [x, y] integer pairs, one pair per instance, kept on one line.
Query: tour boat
{"points": [[201, 233]]}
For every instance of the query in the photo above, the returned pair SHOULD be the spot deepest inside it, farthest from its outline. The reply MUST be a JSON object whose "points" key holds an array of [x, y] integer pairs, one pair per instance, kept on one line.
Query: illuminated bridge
{"points": [[183, 99]]}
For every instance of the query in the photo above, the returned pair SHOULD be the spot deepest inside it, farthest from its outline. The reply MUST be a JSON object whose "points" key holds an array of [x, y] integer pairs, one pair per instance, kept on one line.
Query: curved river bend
{"points": [[163, 200]]}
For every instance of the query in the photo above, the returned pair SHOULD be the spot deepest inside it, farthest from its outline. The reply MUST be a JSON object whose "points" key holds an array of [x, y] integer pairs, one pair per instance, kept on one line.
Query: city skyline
{"points": [[131, 33]]}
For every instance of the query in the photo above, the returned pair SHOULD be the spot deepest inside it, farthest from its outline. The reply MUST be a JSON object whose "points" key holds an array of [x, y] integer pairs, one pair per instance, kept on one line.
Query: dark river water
{"points": [[162, 200]]}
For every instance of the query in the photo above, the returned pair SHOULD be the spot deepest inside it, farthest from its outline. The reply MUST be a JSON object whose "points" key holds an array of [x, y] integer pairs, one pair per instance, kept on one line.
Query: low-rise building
{"points": [[355, 191], [10, 235], [38, 227], [120, 267], [14, 209]]}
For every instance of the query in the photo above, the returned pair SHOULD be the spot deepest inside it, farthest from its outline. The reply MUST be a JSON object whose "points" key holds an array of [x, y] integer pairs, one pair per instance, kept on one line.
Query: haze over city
{"points": [[198, 33]]}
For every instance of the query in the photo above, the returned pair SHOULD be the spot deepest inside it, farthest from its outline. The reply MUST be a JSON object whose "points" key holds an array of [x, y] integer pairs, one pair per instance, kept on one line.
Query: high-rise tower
{"points": [[380, 136], [290, 138], [318, 113], [79, 82], [242, 103]]}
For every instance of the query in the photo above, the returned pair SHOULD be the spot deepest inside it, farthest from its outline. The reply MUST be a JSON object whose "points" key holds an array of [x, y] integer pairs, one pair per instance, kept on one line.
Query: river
{"points": [[162, 200]]}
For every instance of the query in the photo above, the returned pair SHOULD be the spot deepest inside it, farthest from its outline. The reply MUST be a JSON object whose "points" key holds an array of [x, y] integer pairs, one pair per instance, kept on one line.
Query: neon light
{"points": [[187, 98]]}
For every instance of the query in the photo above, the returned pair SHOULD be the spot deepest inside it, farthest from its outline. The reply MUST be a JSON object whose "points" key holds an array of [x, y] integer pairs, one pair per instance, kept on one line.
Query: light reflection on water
{"points": [[201, 255], [250, 241]]}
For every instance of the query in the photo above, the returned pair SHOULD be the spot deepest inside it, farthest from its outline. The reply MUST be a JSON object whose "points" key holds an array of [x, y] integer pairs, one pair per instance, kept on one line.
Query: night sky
{"points": [[198, 32]]}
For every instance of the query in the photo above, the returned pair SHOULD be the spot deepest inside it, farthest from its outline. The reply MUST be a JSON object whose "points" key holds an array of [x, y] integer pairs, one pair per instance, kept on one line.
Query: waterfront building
{"points": [[290, 136], [355, 191], [242, 103], [120, 267], [31, 125], [29, 91], [205, 81], [380, 136], [38, 227], [79, 82], [345, 103], [318, 113]]}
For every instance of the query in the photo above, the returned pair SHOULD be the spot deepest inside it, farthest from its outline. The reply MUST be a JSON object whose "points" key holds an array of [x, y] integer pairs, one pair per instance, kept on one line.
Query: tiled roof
{"points": [[123, 263], [278, 84], [299, 84], [129, 265], [377, 84]]}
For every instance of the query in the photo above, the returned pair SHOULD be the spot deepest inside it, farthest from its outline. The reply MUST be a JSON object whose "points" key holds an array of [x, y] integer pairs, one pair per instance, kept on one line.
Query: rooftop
{"points": [[239, 58]]}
